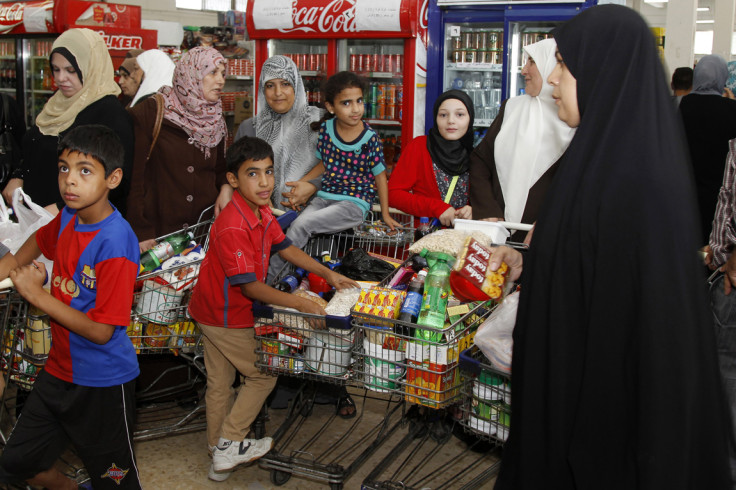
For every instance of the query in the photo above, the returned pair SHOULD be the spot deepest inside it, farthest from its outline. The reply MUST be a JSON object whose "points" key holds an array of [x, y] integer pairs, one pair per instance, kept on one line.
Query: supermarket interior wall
{"points": [[166, 10]]}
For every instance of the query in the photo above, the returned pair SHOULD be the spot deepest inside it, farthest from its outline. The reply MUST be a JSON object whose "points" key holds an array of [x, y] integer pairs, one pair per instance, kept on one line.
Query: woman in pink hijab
{"points": [[183, 172]]}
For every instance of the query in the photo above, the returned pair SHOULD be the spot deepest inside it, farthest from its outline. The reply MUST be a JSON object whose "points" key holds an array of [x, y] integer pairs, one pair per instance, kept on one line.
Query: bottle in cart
{"points": [[436, 292], [168, 247], [412, 304], [423, 229]]}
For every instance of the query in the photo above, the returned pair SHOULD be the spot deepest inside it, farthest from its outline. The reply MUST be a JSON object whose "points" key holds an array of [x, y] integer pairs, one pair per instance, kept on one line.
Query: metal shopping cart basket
{"points": [[173, 402], [317, 348], [422, 365]]}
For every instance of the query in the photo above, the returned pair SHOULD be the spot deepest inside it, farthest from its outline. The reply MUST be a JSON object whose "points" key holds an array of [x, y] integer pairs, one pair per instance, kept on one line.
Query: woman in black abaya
{"points": [[615, 379]]}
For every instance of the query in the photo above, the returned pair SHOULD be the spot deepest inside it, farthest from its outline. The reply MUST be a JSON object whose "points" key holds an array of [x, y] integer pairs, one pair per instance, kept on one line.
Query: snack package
{"points": [[380, 301], [472, 279]]}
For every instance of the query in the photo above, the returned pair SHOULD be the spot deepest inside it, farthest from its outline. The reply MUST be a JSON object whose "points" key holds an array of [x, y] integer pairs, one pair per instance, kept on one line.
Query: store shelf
{"points": [[42, 92], [382, 74], [7, 90], [474, 67], [239, 77], [383, 122], [228, 113], [7, 57]]}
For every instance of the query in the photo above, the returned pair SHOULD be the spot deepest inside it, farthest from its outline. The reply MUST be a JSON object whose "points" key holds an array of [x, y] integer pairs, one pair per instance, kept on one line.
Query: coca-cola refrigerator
{"points": [[379, 39], [479, 47], [28, 29]]}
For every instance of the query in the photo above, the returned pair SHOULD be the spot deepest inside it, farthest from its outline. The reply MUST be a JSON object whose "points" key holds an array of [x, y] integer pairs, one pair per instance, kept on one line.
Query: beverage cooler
{"points": [[480, 48], [377, 39], [28, 29]]}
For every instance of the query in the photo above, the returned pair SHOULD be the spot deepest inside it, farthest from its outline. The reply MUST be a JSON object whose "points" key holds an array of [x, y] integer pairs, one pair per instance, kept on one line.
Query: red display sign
{"points": [[331, 19], [24, 17]]}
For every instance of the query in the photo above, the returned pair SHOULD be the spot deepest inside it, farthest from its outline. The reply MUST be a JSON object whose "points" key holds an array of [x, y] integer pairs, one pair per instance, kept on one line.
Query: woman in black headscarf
{"points": [[431, 177], [615, 379], [710, 122]]}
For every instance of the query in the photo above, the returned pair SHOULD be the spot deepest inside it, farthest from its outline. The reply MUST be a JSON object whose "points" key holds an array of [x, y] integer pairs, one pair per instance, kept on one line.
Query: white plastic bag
{"points": [[494, 336], [31, 217], [9, 230]]}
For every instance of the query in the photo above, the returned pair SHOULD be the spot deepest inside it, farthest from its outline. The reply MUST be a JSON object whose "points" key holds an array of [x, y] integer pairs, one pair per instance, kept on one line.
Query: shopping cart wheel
{"points": [[278, 478]]}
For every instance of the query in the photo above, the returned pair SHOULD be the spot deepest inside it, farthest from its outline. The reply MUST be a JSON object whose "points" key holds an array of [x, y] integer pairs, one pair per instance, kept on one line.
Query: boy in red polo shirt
{"points": [[232, 275]]}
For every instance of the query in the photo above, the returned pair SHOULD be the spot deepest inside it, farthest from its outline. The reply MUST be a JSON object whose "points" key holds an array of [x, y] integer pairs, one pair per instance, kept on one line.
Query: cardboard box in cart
{"points": [[431, 372]]}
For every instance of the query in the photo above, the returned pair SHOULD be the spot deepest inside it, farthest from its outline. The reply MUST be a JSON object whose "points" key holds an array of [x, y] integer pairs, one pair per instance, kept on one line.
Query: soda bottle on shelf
{"points": [[423, 229], [170, 246]]}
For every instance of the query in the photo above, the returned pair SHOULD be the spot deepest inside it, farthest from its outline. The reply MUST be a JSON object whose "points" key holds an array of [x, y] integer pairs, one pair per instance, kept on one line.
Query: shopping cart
{"points": [[160, 327], [318, 348]]}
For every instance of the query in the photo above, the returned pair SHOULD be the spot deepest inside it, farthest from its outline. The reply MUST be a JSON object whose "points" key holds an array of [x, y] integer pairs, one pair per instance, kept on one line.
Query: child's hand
{"points": [[447, 218], [390, 222], [307, 306], [299, 194], [28, 278], [341, 282]]}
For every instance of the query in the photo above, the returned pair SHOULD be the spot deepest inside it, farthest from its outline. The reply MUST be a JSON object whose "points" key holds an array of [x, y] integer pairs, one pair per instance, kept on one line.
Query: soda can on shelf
{"points": [[374, 93], [493, 40], [399, 94], [303, 62], [391, 112], [368, 65], [377, 62], [312, 62], [398, 63], [388, 63], [471, 55], [457, 56], [356, 63], [467, 36], [323, 62], [390, 93], [456, 43], [381, 114]]}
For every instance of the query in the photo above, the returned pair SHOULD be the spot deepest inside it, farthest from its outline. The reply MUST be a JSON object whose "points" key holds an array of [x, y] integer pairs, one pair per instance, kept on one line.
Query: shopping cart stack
{"points": [[486, 397]]}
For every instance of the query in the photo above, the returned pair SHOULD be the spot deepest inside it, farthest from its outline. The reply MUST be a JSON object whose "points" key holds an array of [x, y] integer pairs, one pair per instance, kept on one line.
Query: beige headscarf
{"points": [[95, 65]]}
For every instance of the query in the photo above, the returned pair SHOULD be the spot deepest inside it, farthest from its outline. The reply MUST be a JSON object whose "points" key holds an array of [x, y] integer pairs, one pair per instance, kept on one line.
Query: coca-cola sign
{"points": [[12, 16], [423, 21], [338, 16], [322, 19]]}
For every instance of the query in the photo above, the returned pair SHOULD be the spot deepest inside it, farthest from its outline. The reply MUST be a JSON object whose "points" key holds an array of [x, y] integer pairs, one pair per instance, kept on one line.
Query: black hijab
{"points": [[614, 358], [453, 157]]}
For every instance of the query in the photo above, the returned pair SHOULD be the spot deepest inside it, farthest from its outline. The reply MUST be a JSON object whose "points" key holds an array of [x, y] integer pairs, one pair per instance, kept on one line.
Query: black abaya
{"points": [[615, 379]]}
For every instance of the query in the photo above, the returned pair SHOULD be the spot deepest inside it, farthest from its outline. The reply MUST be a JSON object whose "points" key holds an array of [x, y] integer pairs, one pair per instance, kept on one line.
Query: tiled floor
{"points": [[320, 441]]}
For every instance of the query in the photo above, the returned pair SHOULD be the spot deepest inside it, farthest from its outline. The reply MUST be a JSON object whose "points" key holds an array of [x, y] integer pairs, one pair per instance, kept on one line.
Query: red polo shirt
{"points": [[240, 248]]}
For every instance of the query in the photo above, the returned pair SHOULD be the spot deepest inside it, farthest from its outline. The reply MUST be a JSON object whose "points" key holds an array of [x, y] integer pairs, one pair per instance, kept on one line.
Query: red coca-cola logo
{"points": [[122, 42], [336, 16], [423, 21], [11, 16]]}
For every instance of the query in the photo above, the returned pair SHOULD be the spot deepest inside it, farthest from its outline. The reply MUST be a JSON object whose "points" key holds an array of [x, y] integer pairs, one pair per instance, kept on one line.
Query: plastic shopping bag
{"points": [[494, 336], [31, 217], [9, 229]]}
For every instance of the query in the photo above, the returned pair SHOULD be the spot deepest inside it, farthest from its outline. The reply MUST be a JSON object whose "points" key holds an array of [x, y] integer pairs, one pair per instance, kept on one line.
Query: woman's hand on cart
{"points": [[513, 259], [338, 281], [465, 212]]}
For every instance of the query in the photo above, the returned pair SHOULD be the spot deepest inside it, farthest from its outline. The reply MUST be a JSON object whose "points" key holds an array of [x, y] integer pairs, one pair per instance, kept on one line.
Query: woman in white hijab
{"points": [[511, 169], [158, 71], [283, 121]]}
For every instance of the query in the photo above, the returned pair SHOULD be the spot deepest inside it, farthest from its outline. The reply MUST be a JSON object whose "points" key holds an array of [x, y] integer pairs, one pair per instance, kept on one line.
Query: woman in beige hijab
{"points": [[87, 94]]}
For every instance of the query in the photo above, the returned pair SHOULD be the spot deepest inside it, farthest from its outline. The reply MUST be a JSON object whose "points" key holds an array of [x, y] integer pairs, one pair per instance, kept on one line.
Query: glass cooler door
{"points": [[474, 64], [310, 56], [523, 34]]}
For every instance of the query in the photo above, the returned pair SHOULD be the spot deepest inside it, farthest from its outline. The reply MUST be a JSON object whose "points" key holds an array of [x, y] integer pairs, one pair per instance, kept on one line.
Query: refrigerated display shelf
{"points": [[474, 67], [239, 77], [383, 122]]}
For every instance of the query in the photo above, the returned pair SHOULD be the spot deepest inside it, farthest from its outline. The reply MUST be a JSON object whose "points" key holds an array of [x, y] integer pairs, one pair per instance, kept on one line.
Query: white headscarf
{"points": [[294, 143], [532, 137], [158, 71]]}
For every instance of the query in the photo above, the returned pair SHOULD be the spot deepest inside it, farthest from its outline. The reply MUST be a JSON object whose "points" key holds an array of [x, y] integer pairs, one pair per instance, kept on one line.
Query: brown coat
{"points": [[486, 196], [171, 189]]}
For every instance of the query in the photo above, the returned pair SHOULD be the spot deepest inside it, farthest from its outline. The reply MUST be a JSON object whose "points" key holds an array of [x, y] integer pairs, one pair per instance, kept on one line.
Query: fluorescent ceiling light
{"points": [[703, 9], [704, 21]]}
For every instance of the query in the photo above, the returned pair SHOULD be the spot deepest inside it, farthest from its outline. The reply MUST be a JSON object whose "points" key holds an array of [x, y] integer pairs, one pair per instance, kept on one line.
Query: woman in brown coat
{"points": [[185, 173]]}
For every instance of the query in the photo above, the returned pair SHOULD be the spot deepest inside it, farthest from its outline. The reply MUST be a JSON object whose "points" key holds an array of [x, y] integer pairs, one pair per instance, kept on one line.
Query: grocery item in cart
{"points": [[159, 302], [384, 367], [329, 352], [168, 247], [448, 241], [38, 332], [472, 279], [494, 336], [436, 290]]}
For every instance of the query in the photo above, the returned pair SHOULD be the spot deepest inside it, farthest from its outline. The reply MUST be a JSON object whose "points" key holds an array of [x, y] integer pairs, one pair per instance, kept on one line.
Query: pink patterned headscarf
{"points": [[185, 104]]}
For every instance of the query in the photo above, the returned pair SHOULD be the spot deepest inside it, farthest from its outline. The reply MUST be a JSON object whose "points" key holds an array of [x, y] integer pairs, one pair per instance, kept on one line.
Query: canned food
{"points": [[399, 95], [381, 114], [471, 55], [377, 62], [390, 94], [381, 94], [493, 40], [374, 93], [303, 62], [457, 56], [481, 41], [323, 62], [312, 62], [368, 65], [485, 57], [388, 63], [398, 63], [456, 43], [467, 36], [356, 63], [391, 112]]}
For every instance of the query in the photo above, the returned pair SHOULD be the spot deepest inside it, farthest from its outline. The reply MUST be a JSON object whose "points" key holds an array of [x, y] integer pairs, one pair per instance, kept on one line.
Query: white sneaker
{"points": [[218, 475], [233, 454]]}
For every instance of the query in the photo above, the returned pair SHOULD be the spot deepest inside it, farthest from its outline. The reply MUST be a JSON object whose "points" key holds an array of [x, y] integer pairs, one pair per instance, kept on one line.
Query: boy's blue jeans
{"points": [[724, 319]]}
